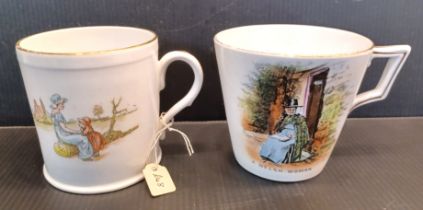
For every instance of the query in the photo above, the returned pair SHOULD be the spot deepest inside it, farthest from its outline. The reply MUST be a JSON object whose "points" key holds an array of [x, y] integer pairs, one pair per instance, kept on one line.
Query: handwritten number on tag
{"points": [[158, 179]]}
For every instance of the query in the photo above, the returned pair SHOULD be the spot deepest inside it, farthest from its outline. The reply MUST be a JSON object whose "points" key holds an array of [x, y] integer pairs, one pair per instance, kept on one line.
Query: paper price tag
{"points": [[158, 179]]}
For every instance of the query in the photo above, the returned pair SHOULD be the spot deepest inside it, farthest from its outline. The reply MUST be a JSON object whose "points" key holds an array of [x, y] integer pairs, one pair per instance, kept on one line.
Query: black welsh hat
{"points": [[291, 103]]}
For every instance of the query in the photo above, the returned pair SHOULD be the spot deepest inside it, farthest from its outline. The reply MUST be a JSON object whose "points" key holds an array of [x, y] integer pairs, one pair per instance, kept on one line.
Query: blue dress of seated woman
{"points": [[64, 135], [277, 145]]}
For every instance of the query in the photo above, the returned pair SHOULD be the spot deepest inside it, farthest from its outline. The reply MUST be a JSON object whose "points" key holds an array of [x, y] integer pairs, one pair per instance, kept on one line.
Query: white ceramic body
{"points": [[241, 64], [98, 76]]}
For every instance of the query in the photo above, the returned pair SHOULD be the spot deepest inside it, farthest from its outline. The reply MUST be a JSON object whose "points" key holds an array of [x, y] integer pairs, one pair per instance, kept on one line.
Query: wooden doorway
{"points": [[315, 99]]}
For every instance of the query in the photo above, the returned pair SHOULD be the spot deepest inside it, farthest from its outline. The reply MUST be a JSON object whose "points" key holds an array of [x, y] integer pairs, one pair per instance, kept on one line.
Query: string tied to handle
{"points": [[167, 126]]}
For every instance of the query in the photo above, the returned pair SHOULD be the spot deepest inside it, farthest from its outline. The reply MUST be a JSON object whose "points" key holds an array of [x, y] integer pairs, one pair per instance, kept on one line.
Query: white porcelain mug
{"points": [[288, 90], [94, 95]]}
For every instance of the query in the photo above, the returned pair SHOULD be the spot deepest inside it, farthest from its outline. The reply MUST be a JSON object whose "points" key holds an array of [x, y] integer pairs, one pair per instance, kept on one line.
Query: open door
{"points": [[315, 99]]}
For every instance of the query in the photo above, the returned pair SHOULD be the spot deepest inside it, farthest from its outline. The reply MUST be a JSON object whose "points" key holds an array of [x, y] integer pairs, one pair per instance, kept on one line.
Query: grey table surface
{"points": [[376, 164]]}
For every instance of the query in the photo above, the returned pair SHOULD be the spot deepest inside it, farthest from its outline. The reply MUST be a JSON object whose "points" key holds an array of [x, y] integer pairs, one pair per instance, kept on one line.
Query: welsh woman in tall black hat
{"points": [[300, 126]]}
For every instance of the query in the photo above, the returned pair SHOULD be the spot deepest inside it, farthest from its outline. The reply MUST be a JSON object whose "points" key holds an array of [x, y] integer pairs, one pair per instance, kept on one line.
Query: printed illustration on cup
{"points": [[85, 136], [290, 114]]}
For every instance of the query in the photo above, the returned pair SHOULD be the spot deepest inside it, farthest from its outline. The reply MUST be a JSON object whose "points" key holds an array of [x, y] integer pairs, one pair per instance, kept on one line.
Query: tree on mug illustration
{"points": [[80, 137], [98, 111]]}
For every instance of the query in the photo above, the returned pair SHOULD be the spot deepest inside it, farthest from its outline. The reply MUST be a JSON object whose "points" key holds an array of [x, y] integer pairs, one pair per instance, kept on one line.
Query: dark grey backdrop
{"points": [[190, 25]]}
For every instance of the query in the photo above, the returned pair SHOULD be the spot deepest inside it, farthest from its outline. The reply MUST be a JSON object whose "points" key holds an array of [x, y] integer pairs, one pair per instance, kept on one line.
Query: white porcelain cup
{"points": [[288, 90], [94, 95]]}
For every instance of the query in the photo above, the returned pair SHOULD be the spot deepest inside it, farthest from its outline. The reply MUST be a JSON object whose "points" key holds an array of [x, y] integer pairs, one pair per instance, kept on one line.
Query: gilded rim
{"points": [[257, 52], [99, 52]]}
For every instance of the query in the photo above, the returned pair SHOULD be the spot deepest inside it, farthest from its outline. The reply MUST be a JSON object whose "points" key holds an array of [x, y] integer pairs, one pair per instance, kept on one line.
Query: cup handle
{"points": [[397, 55], [187, 100]]}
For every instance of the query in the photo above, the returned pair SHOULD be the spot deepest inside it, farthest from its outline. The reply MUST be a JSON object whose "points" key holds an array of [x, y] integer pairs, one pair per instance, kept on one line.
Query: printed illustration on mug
{"points": [[85, 136], [290, 114]]}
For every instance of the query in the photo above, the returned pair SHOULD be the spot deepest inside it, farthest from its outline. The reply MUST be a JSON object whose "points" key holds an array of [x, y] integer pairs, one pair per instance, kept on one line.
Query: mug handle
{"points": [[397, 55], [187, 100]]}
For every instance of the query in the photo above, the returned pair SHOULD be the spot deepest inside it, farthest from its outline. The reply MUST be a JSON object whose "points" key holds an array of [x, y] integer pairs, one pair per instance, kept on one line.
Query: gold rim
{"points": [[98, 52], [257, 52]]}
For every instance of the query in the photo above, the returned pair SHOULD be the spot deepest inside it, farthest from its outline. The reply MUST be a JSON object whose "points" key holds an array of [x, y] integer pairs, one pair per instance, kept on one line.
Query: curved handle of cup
{"points": [[396, 54], [187, 100]]}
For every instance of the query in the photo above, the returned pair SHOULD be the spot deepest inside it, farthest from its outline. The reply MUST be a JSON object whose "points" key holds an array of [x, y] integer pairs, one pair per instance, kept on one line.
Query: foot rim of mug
{"points": [[96, 189], [314, 174]]}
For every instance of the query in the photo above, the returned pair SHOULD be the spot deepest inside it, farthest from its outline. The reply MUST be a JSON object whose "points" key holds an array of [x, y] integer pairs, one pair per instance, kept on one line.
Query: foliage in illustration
{"points": [[265, 93], [98, 111], [290, 114], [333, 108]]}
